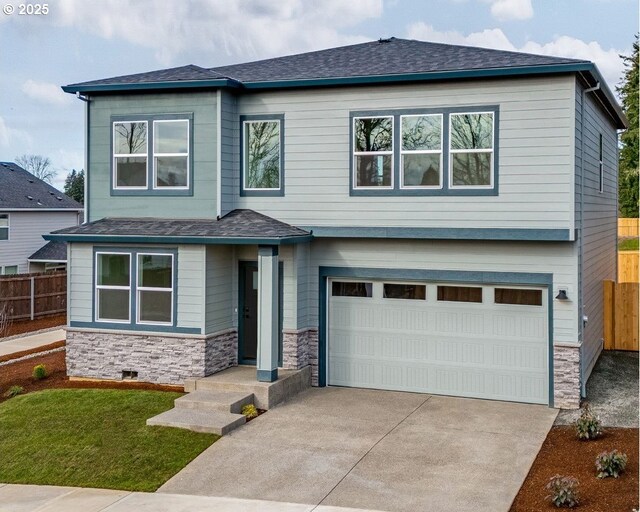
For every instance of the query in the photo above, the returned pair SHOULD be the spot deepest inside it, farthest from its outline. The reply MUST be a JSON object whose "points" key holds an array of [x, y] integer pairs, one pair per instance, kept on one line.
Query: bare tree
{"points": [[38, 165]]}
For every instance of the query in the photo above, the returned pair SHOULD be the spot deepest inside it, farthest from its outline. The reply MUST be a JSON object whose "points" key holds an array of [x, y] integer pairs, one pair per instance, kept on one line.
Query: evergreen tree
{"points": [[74, 185], [628, 182]]}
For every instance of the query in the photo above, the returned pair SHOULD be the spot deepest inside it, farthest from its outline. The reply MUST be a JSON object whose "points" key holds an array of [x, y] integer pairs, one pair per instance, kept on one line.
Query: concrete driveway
{"points": [[376, 450]]}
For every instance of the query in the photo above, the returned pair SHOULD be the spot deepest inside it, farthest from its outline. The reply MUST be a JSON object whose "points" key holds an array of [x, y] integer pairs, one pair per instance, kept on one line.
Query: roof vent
{"points": [[387, 40], [39, 203], [58, 198], [30, 181], [52, 193], [30, 198]]}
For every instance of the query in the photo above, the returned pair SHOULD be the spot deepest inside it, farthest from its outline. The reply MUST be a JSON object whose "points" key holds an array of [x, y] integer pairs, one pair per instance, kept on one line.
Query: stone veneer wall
{"points": [[161, 359], [312, 337], [566, 376], [295, 348]]}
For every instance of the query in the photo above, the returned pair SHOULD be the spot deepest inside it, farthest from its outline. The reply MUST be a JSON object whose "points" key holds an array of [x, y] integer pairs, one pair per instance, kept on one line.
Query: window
{"points": [[262, 158], [4, 226], [373, 152], [171, 153], [471, 149], [113, 287], [459, 294], [152, 155], [10, 270], [421, 151], [155, 288], [350, 289], [600, 168], [135, 287], [518, 296], [130, 154], [404, 291]]}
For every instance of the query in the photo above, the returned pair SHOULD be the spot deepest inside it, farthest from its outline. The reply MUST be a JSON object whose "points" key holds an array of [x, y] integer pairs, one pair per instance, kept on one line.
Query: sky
{"points": [[80, 40]]}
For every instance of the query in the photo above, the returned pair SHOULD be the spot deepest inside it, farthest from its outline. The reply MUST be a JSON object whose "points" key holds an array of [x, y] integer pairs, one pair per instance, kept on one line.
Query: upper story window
{"points": [[262, 145], [4, 226], [448, 151], [152, 155]]}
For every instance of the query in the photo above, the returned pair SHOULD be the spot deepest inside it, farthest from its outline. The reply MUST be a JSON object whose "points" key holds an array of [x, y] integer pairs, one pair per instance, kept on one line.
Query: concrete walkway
{"points": [[30, 341], [375, 450], [41, 498]]}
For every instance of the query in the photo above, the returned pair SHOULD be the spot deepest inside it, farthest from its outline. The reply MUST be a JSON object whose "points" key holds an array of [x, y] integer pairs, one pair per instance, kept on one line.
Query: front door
{"points": [[248, 313]]}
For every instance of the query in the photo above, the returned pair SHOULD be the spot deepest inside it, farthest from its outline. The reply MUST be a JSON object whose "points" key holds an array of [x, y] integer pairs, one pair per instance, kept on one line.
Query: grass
{"points": [[628, 244], [93, 438]]}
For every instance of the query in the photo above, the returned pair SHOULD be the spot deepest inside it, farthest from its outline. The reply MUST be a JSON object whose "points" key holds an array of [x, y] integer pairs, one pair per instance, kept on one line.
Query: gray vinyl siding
{"points": [[25, 234], [203, 202], [219, 306], [558, 258], [190, 291], [536, 159], [599, 219], [230, 155]]}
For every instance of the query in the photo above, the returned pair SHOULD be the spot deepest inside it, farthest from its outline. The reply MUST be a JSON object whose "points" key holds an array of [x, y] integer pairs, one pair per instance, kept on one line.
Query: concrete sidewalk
{"points": [[44, 498], [31, 341]]}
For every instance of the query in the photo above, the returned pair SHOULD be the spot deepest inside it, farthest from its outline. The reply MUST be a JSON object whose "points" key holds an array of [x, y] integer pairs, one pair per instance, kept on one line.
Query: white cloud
{"points": [[45, 92], [506, 10], [13, 140], [607, 60], [236, 30]]}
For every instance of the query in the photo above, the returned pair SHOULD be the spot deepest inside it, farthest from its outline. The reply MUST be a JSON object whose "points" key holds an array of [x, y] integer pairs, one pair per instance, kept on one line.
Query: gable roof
{"points": [[19, 189], [236, 227], [55, 250], [384, 61]]}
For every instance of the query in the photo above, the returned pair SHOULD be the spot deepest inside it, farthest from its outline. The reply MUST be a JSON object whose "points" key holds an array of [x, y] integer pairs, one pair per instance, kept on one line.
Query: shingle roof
{"points": [[384, 57], [238, 224], [21, 189], [55, 250]]}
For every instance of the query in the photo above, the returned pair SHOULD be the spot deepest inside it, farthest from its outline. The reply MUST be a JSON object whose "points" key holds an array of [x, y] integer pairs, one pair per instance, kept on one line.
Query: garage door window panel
{"points": [[518, 296], [404, 291], [460, 294], [351, 289]]}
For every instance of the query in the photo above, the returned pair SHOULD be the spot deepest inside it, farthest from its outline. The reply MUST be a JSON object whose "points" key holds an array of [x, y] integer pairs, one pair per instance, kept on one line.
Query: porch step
{"points": [[212, 422], [224, 401]]}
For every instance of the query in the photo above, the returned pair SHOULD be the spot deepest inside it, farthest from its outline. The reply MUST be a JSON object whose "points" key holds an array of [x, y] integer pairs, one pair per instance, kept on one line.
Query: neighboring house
{"points": [[397, 214], [29, 208]]}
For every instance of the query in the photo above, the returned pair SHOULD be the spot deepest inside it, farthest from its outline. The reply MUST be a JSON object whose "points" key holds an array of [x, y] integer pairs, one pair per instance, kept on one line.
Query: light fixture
{"points": [[562, 295]]}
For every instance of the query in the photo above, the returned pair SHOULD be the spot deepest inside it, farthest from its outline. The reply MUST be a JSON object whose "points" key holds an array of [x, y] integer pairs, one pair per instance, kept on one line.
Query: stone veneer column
{"points": [[312, 337], [566, 376], [295, 348]]}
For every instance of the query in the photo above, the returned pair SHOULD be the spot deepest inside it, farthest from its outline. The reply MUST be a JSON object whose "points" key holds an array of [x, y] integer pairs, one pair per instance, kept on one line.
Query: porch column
{"points": [[268, 317]]}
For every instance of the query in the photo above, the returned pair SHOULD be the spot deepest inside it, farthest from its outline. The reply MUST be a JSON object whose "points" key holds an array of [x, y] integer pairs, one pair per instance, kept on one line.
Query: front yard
{"points": [[93, 438]]}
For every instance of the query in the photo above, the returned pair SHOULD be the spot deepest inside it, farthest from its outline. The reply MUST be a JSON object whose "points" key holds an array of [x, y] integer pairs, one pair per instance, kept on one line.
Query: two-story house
{"points": [[396, 214], [29, 207]]}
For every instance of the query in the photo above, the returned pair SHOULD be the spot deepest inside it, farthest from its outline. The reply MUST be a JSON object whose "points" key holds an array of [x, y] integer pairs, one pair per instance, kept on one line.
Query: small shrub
{"points": [[14, 391], [250, 411], [564, 491], [588, 425], [39, 372], [611, 464]]}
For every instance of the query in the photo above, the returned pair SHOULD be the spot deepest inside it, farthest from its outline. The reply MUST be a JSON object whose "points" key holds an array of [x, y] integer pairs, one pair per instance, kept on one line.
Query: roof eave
{"points": [[622, 122], [149, 86], [160, 239]]}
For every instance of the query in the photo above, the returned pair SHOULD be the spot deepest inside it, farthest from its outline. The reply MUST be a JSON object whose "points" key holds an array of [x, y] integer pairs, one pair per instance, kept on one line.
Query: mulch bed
{"points": [[19, 374], [22, 326], [562, 453]]}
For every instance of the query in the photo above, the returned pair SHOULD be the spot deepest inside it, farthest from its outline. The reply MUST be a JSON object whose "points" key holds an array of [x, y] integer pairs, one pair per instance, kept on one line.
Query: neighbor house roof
{"points": [[384, 61], [55, 250], [237, 227], [21, 190]]}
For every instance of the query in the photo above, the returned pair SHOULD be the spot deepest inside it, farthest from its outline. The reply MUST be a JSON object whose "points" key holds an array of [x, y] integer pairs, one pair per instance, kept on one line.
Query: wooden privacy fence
{"points": [[628, 262], [29, 296], [621, 306], [627, 227]]}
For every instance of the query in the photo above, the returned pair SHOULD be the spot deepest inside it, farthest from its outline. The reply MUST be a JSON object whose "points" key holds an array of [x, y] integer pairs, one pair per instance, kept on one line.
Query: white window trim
{"points": [[7, 227], [372, 153], [130, 155], [155, 155], [422, 152], [140, 288], [245, 156], [454, 151], [111, 287]]}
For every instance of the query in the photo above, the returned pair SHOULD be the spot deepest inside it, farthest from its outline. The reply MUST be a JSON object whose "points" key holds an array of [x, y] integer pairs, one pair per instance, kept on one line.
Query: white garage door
{"points": [[442, 338]]}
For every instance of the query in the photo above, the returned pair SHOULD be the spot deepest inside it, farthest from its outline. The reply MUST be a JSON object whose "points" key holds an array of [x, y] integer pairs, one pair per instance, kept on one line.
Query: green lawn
{"points": [[93, 438], [628, 244]]}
